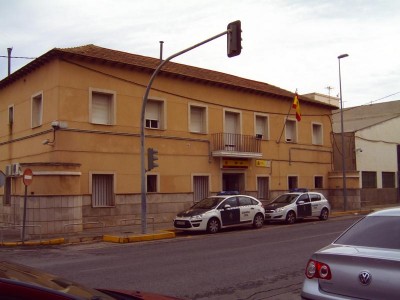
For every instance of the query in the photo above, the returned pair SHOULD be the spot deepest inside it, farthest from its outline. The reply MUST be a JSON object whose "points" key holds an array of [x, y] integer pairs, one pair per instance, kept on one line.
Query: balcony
{"points": [[235, 145]]}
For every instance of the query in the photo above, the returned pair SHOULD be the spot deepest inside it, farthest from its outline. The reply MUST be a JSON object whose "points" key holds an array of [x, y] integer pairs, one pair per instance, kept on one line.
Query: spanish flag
{"points": [[296, 106]]}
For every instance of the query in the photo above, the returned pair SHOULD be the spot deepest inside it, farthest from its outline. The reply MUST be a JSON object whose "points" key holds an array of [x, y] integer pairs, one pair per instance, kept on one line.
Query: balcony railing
{"points": [[235, 145]]}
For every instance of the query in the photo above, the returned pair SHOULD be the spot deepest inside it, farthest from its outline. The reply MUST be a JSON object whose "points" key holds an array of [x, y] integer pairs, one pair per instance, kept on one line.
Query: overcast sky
{"points": [[292, 44]]}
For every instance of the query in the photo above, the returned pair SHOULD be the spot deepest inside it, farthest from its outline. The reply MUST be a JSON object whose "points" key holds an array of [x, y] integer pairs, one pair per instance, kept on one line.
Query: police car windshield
{"points": [[286, 198], [208, 203]]}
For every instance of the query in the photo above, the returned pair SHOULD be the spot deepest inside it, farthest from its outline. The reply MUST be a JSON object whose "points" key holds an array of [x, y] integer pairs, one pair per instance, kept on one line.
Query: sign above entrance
{"points": [[235, 163], [263, 163]]}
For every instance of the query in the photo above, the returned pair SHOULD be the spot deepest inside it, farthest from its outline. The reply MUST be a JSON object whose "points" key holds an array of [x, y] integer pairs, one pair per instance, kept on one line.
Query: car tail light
{"points": [[316, 269]]}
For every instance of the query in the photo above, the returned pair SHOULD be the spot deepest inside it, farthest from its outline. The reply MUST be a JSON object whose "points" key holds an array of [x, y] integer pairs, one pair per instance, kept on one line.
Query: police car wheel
{"points": [[258, 221], [213, 225], [291, 217], [324, 214]]}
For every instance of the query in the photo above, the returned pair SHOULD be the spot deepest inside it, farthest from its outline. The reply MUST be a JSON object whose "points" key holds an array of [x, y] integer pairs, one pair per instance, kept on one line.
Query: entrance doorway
{"points": [[233, 182]]}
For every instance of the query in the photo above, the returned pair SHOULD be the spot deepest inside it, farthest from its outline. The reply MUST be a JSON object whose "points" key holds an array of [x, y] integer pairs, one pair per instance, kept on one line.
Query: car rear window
{"points": [[374, 231], [315, 197], [244, 201]]}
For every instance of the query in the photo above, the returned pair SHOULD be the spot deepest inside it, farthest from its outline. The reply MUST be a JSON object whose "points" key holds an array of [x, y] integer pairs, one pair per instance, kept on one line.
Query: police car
{"points": [[297, 205], [221, 211]]}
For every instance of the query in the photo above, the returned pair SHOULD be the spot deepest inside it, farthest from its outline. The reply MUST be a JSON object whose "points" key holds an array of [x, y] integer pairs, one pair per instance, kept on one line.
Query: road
{"points": [[242, 263]]}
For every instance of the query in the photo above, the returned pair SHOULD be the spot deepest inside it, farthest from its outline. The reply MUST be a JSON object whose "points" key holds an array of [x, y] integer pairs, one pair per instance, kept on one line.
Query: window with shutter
{"points": [[198, 119], [37, 110], [291, 131], [262, 131], [153, 114], [102, 108], [317, 134]]}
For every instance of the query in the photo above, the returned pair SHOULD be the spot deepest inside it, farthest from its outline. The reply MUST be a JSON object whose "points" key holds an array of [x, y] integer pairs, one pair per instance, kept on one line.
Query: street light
{"points": [[143, 111], [342, 134]]}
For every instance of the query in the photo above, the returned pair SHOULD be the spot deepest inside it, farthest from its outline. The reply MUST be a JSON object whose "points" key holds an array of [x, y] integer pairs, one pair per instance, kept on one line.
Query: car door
{"points": [[230, 211], [303, 206], [247, 209], [316, 204]]}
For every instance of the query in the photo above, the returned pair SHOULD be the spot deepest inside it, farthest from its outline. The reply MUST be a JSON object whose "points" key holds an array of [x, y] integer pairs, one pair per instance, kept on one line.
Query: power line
{"points": [[24, 57], [384, 97], [368, 103]]}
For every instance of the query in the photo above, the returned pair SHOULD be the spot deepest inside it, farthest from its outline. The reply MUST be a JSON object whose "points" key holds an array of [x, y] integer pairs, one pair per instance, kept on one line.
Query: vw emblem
{"points": [[365, 278]]}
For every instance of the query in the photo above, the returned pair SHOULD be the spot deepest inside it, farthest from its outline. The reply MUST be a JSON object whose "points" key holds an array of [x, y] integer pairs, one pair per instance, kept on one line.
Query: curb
{"points": [[139, 238], [57, 241], [351, 212]]}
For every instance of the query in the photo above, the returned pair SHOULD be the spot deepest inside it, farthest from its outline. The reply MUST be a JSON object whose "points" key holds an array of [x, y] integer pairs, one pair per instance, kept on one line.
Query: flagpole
{"points": [[287, 116]]}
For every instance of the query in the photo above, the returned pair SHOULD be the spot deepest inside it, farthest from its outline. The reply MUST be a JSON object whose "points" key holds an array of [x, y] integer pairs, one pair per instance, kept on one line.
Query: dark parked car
{"points": [[363, 263], [18, 282]]}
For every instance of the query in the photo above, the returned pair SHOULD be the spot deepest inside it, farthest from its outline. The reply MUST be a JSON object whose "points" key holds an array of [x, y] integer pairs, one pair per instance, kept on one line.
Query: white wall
{"points": [[379, 148]]}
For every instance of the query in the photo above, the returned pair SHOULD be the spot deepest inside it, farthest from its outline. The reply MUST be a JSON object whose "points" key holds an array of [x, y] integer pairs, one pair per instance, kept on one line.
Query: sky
{"points": [[291, 44]]}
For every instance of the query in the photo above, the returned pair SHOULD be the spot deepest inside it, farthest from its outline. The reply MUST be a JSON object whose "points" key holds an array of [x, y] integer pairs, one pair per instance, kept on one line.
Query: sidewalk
{"points": [[9, 238]]}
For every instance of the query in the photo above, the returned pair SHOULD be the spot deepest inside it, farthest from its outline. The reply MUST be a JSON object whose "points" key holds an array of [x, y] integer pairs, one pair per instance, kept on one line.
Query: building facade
{"points": [[372, 151], [72, 116]]}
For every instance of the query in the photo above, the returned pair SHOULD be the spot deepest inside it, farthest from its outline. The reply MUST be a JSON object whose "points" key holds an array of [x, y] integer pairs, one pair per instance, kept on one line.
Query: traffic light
{"points": [[152, 157], [234, 46]]}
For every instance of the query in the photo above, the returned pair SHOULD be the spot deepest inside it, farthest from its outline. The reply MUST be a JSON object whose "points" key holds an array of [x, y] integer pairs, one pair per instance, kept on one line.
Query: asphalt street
{"points": [[235, 264]]}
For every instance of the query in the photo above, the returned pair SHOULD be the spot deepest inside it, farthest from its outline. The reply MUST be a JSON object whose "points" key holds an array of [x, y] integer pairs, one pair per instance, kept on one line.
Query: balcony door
{"points": [[232, 130]]}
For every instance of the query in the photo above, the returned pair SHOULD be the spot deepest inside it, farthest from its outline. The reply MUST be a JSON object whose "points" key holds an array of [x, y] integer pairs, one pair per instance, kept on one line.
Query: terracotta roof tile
{"points": [[104, 55], [92, 51]]}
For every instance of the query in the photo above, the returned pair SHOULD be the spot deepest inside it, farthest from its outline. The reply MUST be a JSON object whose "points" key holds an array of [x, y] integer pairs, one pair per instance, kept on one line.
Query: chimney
{"points": [[9, 60], [161, 50]]}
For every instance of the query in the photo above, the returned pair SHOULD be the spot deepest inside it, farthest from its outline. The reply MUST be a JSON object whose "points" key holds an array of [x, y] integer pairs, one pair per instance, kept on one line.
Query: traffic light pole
{"points": [[142, 120]]}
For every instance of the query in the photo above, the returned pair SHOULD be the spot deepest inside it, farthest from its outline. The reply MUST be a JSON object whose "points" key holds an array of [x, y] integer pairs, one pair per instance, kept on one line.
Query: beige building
{"points": [[72, 116]]}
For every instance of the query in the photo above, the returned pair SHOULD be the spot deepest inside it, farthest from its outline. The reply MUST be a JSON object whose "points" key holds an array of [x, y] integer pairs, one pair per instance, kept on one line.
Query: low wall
{"points": [[50, 215], [161, 210], [371, 197], [336, 199], [45, 215]]}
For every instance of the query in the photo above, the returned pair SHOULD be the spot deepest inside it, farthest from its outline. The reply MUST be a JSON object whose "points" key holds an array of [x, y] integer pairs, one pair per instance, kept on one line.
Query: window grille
{"points": [[368, 179], [263, 187], [388, 179], [200, 188], [102, 190]]}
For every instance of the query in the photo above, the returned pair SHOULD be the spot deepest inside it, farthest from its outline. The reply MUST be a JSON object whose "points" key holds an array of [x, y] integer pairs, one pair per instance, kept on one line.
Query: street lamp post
{"points": [[342, 135], [233, 49]]}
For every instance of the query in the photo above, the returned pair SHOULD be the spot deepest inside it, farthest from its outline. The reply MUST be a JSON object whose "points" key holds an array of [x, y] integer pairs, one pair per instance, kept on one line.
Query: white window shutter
{"points": [[101, 108]]}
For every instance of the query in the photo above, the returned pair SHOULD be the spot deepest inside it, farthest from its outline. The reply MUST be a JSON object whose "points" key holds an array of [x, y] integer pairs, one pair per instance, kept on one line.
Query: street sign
{"points": [[27, 177]]}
